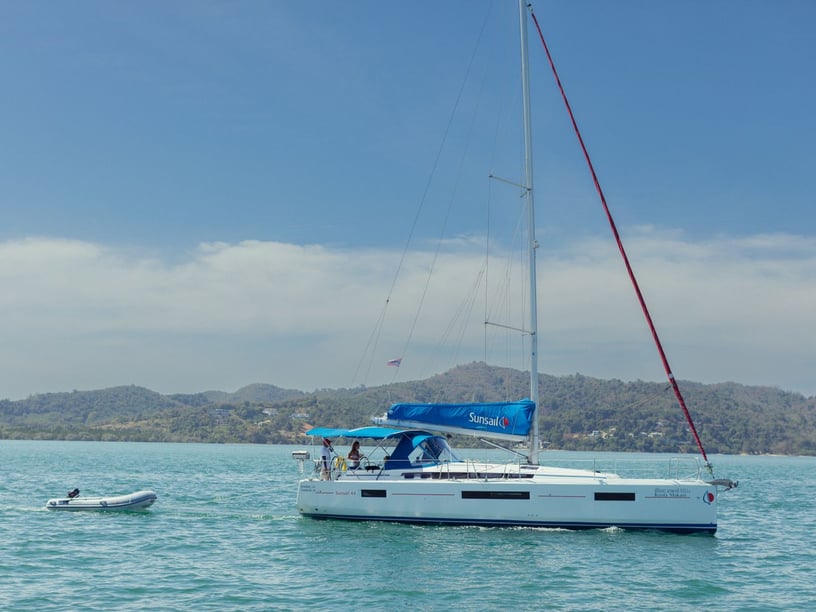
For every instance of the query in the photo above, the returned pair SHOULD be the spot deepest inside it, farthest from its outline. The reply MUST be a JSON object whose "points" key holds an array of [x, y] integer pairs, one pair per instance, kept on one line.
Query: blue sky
{"points": [[203, 195]]}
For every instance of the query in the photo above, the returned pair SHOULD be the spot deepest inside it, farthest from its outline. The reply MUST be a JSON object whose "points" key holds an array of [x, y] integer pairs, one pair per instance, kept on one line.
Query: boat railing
{"points": [[484, 470], [685, 468], [675, 467], [365, 467]]}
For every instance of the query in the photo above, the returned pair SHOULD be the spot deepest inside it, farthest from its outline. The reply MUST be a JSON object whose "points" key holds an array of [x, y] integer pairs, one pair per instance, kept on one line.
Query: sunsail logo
{"points": [[498, 421]]}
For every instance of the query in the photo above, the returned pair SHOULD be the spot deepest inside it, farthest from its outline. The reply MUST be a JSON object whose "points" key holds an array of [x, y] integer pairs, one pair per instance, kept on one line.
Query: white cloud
{"points": [[80, 315], [726, 309]]}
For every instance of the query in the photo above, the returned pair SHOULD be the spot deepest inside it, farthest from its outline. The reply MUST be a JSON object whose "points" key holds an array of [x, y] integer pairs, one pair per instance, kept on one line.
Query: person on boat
{"points": [[354, 455], [325, 459]]}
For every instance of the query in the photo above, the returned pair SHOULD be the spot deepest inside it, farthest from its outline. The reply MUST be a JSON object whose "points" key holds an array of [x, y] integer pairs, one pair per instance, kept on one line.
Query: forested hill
{"points": [[577, 412]]}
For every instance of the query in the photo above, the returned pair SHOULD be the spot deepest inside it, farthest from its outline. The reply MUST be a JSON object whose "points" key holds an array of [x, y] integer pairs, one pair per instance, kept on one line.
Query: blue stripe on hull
{"points": [[672, 528]]}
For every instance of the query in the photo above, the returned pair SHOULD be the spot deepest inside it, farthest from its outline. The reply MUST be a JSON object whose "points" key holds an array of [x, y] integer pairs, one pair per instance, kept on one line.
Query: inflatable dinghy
{"points": [[135, 501]]}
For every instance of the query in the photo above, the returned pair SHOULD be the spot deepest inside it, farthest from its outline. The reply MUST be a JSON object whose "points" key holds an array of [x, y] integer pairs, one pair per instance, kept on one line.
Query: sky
{"points": [[204, 195]]}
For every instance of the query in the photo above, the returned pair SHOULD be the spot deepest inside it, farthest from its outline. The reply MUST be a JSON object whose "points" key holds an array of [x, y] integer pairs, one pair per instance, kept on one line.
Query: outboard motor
{"points": [[301, 456], [73, 494]]}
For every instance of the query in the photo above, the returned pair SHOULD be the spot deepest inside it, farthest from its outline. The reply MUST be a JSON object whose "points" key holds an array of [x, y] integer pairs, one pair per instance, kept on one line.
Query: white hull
{"points": [[552, 497], [135, 501]]}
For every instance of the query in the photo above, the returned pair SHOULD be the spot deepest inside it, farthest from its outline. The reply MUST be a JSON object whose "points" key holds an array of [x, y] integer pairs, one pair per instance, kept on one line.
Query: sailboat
{"points": [[413, 475]]}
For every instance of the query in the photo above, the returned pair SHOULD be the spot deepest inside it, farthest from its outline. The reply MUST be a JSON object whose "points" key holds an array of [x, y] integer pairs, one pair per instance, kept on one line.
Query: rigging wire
{"points": [[502, 306], [374, 339], [456, 185], [641, 299]]}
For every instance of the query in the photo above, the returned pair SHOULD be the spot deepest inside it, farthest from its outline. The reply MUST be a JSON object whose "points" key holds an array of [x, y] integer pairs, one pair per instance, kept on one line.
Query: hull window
{"points": [[372, 493], [616, 496], [495, 495]]}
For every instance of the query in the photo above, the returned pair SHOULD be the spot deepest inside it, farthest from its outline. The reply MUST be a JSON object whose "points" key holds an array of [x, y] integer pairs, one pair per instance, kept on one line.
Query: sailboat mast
{"points": [[532, 245]]}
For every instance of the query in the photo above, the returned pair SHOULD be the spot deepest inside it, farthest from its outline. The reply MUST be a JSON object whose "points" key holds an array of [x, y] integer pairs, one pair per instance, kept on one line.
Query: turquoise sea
{"points": [[224, 535]]}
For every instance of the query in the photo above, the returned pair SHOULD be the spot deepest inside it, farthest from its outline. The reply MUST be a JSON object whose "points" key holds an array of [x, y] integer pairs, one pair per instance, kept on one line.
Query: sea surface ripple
{"points": [[224, 535]]}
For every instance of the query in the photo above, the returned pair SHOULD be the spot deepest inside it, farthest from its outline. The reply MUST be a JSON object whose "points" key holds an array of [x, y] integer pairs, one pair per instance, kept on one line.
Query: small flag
{"points": [[394, 362]]}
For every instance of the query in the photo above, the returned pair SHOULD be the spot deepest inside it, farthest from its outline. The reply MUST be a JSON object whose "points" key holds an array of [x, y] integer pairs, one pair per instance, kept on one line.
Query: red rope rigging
{"points": [[614, 228]]}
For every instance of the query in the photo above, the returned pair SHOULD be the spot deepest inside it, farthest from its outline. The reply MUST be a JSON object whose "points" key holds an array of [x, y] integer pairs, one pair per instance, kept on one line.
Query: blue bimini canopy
{"points": [[503, 420], [375, 433]]}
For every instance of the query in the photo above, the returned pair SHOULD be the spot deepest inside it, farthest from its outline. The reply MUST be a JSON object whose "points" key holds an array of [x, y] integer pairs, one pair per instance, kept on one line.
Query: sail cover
{"points": [[506, 420]]}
